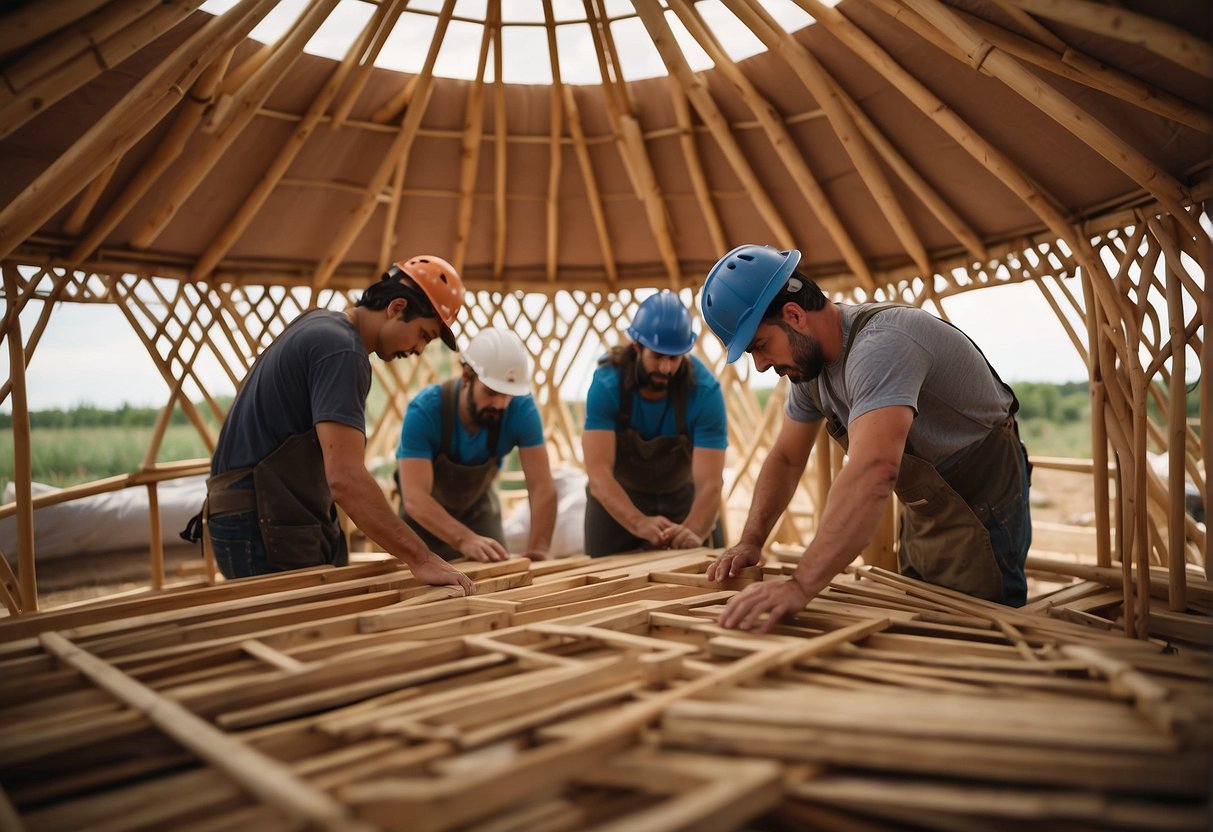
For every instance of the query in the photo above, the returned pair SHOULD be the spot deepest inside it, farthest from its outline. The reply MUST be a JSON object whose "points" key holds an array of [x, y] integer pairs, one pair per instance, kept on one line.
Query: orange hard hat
{"points": [[442, 285]]}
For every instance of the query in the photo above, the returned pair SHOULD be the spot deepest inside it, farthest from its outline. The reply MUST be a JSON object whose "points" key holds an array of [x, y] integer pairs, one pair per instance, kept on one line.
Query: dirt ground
{"points": [[1059, 497]]}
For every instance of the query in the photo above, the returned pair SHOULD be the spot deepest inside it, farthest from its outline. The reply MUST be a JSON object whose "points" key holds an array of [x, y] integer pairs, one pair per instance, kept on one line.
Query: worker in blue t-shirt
{"points": [[452, 442], [654, 440]]}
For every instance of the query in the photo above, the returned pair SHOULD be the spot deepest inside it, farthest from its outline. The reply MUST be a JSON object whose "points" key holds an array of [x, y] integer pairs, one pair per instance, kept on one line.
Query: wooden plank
{"points": [[260, 775]]}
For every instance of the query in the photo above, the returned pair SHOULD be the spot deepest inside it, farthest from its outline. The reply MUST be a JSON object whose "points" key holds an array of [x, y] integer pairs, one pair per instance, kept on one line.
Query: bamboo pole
{"points": [[243, 216], [816, 81], [22, 465], [593, 194], [155, 536], [1099, 437], [500, 147], [1176, 443], [23, 25], [88, 200], [397, 154], [58, 287], [699, 180], [362, 56], [170, 148], [240, 108], [696, 90], [1067, 62], [555, 149], [128, 121], [473, 127], [1101, 138], [70, 59], [1163, 39]]}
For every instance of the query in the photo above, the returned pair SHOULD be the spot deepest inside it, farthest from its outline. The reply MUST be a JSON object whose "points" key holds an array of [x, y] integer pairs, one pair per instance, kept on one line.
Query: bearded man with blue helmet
{"points": [[917, 408], [654, 439]]}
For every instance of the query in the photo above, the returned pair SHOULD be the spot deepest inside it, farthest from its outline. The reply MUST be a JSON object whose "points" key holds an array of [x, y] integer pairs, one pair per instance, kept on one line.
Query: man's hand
{"points": [[537, 554], [733, 559], [778, 598], [481, 548], [437, 572], [683, 538], [656, 530]]}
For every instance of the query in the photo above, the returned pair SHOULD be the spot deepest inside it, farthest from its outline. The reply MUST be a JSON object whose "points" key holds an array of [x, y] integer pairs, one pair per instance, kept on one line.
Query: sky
{"points": [[90, 355]]}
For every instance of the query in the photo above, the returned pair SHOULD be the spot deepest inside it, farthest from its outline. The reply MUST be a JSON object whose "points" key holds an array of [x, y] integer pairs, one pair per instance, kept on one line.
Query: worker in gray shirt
{"points": [[920, 413]]}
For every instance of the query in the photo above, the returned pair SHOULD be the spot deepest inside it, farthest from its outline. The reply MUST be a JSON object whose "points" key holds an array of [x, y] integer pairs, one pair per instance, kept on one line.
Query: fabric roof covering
{"points": [[869, 140]]}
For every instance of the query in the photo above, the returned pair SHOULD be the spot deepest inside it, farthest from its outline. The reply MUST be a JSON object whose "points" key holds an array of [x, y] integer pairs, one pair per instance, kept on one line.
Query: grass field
{"points": [[67, 456]]}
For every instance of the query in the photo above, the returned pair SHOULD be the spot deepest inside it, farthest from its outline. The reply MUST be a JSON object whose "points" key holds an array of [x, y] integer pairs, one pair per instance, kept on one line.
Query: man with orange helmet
{"points": [[292, 446], [452, 443]]}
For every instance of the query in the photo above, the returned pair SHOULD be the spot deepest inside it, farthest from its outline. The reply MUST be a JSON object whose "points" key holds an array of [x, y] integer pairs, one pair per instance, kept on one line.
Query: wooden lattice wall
{"points": [[1130, 293]]}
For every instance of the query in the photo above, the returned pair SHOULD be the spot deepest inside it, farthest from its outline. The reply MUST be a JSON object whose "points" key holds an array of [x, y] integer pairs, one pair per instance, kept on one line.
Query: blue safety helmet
{"points": [[663, 325], [739, 289]]}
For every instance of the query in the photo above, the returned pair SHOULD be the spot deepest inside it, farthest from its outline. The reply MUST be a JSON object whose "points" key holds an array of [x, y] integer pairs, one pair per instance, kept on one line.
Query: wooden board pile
{"points": [[582, 694]]}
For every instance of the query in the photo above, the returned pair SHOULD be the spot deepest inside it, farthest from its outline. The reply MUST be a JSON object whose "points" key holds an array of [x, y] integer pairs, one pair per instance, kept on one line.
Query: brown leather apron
{"points": [[458, 487], [943, 534], [661, 465], [290, 493], [295, 509], [465, 491]]}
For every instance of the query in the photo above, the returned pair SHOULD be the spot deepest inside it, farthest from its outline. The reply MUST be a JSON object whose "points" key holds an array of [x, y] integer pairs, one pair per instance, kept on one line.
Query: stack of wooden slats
{"points": [[586, 693]]}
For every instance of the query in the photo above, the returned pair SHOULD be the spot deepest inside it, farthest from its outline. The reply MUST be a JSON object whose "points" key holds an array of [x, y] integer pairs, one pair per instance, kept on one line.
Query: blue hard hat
{"points": [[663, 325], [739, 289]]}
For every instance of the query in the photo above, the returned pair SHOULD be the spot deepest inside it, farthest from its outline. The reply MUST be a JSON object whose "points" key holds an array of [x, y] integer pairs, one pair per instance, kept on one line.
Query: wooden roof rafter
{"points": [[697, 92], [397, 155]]}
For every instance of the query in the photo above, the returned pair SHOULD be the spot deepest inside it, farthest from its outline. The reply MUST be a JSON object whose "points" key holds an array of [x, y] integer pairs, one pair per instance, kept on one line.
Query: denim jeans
{"points": [[239, 550]]}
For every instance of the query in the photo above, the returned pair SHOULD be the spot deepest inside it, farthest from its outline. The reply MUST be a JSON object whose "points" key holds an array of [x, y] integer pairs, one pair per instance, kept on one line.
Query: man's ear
{"points": [[468, 375], [794, 315], [396, 307]]}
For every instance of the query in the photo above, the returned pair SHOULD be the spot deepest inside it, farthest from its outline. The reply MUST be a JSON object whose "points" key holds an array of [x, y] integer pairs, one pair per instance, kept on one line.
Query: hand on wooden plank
{"points": [[734, 559], [777, 598], [481, 548], [437, 572]]}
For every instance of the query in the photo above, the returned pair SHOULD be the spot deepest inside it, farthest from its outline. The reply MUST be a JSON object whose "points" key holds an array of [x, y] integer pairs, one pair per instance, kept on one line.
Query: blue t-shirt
{"points": [[706, 421], [421, 433], [317, 370]]}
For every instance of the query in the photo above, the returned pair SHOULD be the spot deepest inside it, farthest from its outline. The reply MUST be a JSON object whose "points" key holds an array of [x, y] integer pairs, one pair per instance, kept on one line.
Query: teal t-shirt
{"points": [[706, 420], [421, 433]]}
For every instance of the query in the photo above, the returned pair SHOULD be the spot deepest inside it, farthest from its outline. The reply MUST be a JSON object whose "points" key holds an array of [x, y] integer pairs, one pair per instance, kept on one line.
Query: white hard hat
{"points": [[500, 360]]}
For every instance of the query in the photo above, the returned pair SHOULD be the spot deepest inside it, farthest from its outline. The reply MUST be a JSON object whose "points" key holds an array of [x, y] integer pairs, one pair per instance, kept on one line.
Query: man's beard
{"points": [[485, 417], [807, 360], [657, 382], [654, 381]]}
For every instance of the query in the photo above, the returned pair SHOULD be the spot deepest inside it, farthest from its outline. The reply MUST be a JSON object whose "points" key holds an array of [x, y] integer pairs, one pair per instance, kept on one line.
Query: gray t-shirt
{"points": [[906, 356], [317, 370]]}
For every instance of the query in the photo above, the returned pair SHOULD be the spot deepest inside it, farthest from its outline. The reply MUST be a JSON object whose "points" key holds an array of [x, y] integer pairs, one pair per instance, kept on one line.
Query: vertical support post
{"points": [[155, 535], [1177, 439], [22, 466]]}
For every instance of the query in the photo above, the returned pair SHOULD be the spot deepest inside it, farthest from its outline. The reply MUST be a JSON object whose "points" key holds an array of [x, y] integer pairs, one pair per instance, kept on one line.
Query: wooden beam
{"points": [[696, 90], [238, 111], [397, 154], [1163, 39], [22, 464], [262, 776], [816, 81], [141, 109]]}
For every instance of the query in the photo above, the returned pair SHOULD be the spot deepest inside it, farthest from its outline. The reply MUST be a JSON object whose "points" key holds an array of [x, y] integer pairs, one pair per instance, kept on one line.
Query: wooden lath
{"points": [[598, 693]]}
